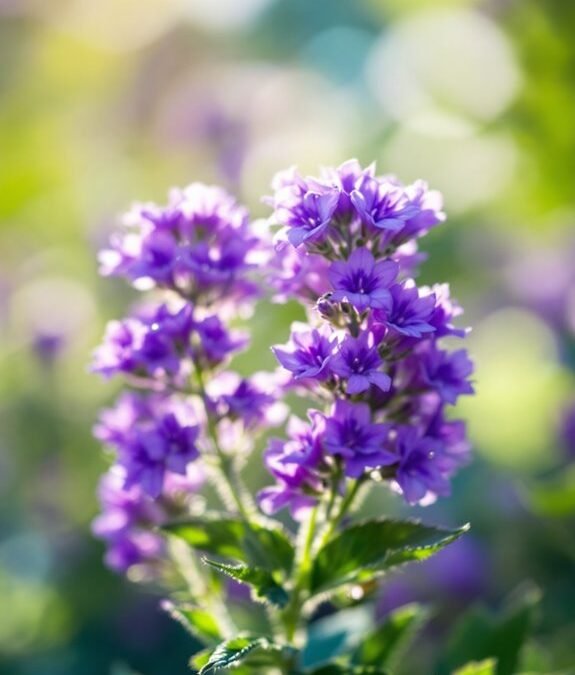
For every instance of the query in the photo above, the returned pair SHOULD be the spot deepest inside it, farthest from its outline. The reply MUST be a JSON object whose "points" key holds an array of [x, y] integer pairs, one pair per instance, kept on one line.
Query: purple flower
{"points": [[455, 447], [445, 311], [219, 265], [153, 436], [48, 346], [350, 434], [309, 217], [362, 281], [252, 401], [296, 465], [308, 353], [295, 273], [216, 342], [166, 445], [427, 212], [126, 512], [199, 243], [428, 368], [345, 178], [419, 473], [147, 345], [357, 360], [410, 313], [116, 424], [447, 372], [305, 207], [382, 204]]}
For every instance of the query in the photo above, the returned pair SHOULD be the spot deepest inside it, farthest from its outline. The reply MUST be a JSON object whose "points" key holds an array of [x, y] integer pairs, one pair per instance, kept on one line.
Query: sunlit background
{"points": [[103, 102]]}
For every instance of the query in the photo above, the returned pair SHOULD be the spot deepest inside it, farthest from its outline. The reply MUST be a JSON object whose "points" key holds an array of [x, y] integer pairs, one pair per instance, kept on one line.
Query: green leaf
{"points": [[367, 549], [229, 537], [480, 635], [385, 645], [195, 620], [233, 652], [261, 581], [486, 667], [336, 634], [199, 660]]}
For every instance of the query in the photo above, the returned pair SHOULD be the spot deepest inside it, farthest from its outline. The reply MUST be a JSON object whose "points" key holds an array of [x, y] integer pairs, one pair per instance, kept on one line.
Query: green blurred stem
{"points": [[227, 482], [345, 505], [292, 613], [310, 541], [198, 588]]}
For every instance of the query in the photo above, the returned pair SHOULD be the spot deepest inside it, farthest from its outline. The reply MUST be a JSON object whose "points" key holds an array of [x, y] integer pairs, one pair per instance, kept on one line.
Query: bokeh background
{"points": [[105, 102]]}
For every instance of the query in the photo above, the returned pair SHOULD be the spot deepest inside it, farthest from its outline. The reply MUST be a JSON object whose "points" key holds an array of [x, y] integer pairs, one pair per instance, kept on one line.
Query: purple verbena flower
{"points": [[309, 352], [305, 210], [252, 401], [362, 281], [445, 311], [428, 368], [166, 445], [296, 465], [351, 435], [409, 313], [216, 343], [357, 360], [427, 212], [447, 372], [149, 345], [153, 436], [419, 473], [296, 273], [126, 512], [382, 204], [344, 179], [199, 244]]}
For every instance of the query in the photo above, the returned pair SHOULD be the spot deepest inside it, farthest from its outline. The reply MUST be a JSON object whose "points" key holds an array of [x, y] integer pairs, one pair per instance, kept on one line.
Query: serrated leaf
{"points": [[480, 635], [232, 652], [336, 634], [265, 587], [228, 537], [486, 667], [386, 644], [367, 549], [195, 620], [199, 659]]}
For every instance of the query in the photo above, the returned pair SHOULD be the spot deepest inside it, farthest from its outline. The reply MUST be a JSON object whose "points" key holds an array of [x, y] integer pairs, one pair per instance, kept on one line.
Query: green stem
{"points": [[292, 613], [198, 589], [231, 488], [344, 507]]}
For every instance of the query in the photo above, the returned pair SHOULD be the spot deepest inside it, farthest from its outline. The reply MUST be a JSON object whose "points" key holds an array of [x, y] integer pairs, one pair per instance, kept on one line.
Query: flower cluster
{"points": [[199, 244], [369, 364], [199, 253], [370, 354], [129, 516]]}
